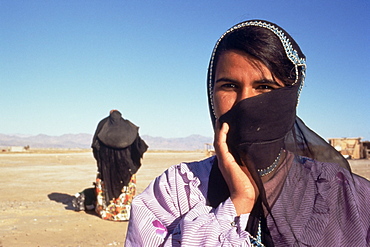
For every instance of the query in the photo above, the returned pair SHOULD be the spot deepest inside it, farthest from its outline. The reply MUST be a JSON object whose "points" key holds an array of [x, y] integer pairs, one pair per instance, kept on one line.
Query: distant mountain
{"points": [[193, 142], [45, 141]]}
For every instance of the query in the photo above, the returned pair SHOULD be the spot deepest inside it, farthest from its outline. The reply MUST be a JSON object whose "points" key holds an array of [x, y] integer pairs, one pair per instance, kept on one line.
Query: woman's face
{"points": [[238, 77]]}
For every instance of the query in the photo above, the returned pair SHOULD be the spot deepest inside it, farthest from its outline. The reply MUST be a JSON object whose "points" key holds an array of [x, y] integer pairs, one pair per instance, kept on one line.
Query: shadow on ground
{"points": [[67, 201], [62, 198]]}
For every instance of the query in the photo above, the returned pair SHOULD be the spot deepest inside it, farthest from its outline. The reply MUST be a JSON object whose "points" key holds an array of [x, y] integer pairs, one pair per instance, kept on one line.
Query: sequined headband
{"points": [[291, 53]]}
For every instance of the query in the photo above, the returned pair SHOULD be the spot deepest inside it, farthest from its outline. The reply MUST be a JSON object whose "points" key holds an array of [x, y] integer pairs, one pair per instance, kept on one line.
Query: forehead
{"points": [[236, 60]]}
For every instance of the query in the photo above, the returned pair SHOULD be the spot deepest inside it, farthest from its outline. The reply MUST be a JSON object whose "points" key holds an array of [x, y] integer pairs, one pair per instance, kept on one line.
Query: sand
{"points": [[37, 188]]}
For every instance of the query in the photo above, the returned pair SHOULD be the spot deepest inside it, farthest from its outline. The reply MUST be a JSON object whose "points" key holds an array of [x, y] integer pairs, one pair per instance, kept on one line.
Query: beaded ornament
{"points": [[257, 241], [271, 168]]}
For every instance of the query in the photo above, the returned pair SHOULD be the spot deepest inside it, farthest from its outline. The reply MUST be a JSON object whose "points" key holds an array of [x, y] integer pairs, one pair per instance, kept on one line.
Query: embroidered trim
{"points": [[257, 242], [271, 168]]}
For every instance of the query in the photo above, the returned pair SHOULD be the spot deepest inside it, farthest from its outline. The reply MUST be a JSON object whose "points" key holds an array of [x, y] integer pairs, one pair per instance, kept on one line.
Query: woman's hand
{"points": [[243, 189]]}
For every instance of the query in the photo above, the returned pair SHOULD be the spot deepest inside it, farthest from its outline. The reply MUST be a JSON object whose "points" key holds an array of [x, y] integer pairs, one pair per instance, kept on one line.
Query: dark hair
{"points": [[264, 45]]}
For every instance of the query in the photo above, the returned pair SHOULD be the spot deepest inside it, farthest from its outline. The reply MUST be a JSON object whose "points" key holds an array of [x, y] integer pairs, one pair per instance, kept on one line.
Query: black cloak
{"points": [[118, 150]]}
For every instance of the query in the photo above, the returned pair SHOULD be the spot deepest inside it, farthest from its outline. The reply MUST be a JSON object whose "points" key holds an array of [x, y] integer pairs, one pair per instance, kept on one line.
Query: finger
{"points": [[217, 128], [220, 136], [226, 159], [223, 137], [224, 129]]}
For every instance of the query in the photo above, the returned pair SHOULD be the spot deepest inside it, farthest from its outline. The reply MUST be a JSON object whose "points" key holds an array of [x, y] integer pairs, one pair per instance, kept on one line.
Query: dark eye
{"points": [[265, 87], [229, 85]]}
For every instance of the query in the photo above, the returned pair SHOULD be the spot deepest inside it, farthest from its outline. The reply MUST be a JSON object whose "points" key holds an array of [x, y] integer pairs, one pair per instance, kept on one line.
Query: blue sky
{"points": [[65, 64]]}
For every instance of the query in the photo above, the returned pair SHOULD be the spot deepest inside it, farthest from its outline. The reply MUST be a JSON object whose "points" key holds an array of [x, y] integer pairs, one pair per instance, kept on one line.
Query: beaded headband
{"points": [[291, 53]]}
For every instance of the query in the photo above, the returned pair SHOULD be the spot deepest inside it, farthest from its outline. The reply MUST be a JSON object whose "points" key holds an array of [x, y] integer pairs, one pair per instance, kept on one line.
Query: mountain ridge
{"points": [[83, 140]]}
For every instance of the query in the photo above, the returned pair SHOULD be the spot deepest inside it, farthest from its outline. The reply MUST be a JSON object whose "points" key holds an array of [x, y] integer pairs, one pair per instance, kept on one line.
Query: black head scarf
{"points": [[262, 126], [117, 132]]}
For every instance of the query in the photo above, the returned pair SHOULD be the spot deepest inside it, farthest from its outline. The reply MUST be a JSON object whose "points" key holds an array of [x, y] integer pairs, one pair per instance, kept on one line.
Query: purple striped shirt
{"points": [[172, 211], [320, 205]]}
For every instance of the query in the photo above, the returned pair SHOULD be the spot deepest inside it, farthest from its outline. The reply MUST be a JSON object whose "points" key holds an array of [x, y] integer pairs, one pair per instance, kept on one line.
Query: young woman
{"points": [[273, 181]]}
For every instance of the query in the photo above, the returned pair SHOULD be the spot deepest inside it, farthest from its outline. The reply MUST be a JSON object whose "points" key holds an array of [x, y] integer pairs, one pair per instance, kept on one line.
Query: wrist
{"points": [[242, 205]]}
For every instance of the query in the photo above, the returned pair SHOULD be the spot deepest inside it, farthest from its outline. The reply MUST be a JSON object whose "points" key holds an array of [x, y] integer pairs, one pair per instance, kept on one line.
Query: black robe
{"points": [[118, 149]]}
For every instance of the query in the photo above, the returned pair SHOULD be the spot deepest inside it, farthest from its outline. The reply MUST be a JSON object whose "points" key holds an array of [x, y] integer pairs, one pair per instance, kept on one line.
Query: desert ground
{"points": [[37, 189]]}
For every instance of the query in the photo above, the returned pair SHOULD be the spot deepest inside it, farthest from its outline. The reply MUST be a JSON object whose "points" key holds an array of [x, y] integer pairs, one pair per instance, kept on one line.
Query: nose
{"points": [[245, 92]]}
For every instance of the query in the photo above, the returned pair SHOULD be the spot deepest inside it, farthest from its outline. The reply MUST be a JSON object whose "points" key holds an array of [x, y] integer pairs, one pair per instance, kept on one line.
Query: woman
{"points": [[118, 150], [273, 182]]}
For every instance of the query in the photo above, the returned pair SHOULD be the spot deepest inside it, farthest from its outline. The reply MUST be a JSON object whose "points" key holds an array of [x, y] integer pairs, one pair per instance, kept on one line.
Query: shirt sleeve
{"points": [[172, 212]]}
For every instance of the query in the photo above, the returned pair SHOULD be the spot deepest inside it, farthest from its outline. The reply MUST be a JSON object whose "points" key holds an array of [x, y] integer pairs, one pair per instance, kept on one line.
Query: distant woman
{"points": [[118, 150], [273, 181]]}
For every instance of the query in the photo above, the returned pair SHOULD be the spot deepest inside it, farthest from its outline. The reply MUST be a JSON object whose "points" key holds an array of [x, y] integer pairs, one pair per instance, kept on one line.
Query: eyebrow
{"points": [[267, 81], [224, 79], [262, 81]]}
